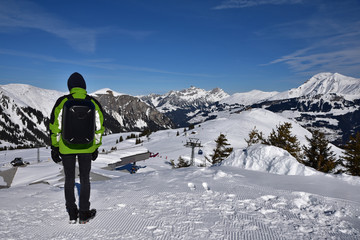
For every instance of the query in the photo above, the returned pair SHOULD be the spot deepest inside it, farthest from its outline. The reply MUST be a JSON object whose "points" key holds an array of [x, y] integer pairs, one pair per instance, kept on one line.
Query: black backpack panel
{"points": [[78, 121]]}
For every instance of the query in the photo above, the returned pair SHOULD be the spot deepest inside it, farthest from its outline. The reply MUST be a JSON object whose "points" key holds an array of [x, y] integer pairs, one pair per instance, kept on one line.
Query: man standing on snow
{"points": [[76, 127]]}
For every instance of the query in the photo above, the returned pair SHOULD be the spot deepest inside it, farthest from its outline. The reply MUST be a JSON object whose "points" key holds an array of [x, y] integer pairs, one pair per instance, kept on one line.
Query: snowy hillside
{"points": [[245, 198]]}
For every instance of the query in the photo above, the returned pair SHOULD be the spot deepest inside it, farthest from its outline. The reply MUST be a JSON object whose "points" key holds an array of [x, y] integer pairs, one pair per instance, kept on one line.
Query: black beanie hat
{"points": [[76, 80]]}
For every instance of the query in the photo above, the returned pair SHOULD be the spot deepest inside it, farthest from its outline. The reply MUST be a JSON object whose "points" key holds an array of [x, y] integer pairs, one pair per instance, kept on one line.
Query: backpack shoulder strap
{"points": [[96, 102], [69, 97]]}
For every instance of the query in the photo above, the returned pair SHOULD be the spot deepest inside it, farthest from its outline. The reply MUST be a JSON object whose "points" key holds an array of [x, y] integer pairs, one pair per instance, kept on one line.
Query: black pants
{"points": [[69, 163]]}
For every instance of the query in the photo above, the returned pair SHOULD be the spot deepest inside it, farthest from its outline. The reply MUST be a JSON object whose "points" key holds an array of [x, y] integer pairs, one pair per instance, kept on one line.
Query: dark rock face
{"points": [[127, 113]]}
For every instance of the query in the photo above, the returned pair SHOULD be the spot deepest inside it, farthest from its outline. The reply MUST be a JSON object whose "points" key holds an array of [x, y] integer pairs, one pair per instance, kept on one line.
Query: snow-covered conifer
{"points": [[283, 138], [318, 154], [221, 151], [352, 155]]}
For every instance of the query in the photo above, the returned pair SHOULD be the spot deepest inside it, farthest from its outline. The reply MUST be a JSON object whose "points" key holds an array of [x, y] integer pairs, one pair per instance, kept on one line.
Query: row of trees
{"points": [[317, 154]]}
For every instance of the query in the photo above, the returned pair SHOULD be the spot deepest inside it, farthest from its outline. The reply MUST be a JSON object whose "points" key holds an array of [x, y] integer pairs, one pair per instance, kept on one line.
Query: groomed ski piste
{"points": [[260, 192]]}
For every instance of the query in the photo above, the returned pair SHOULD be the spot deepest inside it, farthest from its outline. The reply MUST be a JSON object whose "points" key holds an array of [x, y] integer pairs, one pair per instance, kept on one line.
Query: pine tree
{"points": [[182, 163], [146, 132], [138, 140], [255, 137], [283, 138], [221, 151], [352, 155], [172, 163], [319, 154], [121, 139]]}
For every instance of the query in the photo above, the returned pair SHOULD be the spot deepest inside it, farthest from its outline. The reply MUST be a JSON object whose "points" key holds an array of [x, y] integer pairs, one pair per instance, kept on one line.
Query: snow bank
{"points": [[267, 159]]}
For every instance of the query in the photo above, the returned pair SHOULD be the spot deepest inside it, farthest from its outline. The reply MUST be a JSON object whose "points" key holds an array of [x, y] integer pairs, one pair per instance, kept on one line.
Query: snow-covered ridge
{"points": [[27, 95], [248, 98], [320, 84], [186, 98]]}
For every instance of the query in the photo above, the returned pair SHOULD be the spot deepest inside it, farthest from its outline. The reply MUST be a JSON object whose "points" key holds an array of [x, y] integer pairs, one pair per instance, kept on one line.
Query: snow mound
{"points": [[267, 159]]}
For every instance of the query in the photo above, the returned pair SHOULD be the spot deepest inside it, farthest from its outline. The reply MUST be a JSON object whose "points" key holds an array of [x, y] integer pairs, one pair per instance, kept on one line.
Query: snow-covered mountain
{"points": [[329, 101], [325, 84], [181, 106]]}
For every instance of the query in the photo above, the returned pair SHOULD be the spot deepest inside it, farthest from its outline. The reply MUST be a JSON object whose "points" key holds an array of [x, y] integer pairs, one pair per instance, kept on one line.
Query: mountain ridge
{"points": [[326, 99]]}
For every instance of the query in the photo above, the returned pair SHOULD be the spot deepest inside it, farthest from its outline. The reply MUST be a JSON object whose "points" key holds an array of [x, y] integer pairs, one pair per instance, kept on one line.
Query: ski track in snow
{"points": [[167, 205]]}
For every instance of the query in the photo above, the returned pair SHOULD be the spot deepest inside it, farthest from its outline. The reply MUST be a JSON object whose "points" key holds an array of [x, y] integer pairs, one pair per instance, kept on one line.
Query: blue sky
{"points": [[142, 46]]}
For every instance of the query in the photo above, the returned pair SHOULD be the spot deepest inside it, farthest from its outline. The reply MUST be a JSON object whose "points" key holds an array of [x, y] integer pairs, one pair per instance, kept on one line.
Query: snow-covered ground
{"points": [[258, 193]]}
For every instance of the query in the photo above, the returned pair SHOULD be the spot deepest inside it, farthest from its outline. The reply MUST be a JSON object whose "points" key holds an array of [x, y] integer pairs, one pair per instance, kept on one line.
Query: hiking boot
{"points": [[73, 215], [86, 216]]}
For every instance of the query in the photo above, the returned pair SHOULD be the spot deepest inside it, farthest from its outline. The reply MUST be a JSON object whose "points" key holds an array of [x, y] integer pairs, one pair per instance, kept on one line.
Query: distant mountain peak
{"points": [[323, 84], [107, 91], [189, 97]]}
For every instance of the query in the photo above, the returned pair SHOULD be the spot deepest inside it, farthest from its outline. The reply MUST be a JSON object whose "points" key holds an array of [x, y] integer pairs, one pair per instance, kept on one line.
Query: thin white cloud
{"points": [[331, 49], [23, 14], [228, 4], [15, 14], [107, 64]]}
